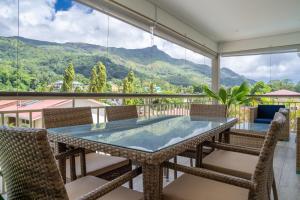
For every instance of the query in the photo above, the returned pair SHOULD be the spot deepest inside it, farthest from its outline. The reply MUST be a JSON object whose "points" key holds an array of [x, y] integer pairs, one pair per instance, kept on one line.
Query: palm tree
{"points": [[232, 96]]}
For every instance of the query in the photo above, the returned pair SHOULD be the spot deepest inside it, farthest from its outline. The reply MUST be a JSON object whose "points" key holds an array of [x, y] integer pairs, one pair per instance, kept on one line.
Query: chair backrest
{"points": [[298, 145], [268, 111], [28, 165], [59, 117], [114, 113], [264, 167], [207, 110]]}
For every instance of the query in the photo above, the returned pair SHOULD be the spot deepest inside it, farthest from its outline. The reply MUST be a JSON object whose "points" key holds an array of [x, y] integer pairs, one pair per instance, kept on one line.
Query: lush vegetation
{"points": [[231, 96], [40, 64]]}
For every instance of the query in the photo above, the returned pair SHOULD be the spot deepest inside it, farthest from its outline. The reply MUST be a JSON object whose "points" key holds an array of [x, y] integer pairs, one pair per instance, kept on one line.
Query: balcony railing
{"points": [[147, 105]]}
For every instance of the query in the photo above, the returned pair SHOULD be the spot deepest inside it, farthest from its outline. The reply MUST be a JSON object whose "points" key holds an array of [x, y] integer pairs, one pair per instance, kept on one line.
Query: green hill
{"points": [[44, 62]]}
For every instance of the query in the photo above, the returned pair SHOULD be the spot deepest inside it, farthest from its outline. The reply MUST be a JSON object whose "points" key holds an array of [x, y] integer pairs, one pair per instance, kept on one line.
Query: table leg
{"points": [[61, 147], [153, 182], [227, 136], [199, 155]]}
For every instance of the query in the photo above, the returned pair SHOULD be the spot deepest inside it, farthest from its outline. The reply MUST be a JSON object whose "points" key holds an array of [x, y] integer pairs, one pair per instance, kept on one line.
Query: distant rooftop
{"points": [[282, 93]]}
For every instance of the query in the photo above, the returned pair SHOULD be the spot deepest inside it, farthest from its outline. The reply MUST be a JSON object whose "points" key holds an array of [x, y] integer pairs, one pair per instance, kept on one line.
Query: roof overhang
{"points": [[209, 27]]}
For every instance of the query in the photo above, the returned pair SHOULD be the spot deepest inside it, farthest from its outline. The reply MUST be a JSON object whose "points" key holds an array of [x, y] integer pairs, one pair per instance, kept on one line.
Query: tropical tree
{"points": [[101, 78], [128, 86], [232, 96], [93, 80], [258, 88], [98, 78], [69, 77], [151, 88]]}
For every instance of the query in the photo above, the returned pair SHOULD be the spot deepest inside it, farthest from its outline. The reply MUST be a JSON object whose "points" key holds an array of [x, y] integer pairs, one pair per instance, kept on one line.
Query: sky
{"points": [[68, 21], [266, 67]]}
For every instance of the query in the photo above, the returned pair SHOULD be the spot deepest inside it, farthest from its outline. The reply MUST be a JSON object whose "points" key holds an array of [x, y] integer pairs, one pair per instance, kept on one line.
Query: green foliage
{"points": [[43, 63], [282, 84], [231, 96], [151, 88], [101, 78], [93, 80], [98, 78], [198, 89], [258, 88], [129, 87], [69, 77], [297, 87]]}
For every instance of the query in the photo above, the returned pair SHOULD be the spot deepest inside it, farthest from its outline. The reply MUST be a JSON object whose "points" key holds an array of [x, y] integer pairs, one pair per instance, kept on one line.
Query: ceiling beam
{"points": [[289, 42]]}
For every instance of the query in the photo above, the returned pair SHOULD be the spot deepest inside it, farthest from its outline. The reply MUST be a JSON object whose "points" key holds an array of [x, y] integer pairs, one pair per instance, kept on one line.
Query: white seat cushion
{"points": [[232, 163], [97, 164], [189, 187], [87, 184]]}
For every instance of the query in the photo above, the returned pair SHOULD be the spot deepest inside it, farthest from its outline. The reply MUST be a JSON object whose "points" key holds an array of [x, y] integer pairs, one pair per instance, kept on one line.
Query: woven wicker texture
{"points": [[239, 140], [28, 165], [60, 117], [285, 133], [263, 175], [114, 113], [206, 110], [298, 147], [259, 185]]}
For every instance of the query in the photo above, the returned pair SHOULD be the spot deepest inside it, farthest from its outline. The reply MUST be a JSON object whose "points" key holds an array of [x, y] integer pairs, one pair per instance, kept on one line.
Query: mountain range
{"points": [[47, 60]]}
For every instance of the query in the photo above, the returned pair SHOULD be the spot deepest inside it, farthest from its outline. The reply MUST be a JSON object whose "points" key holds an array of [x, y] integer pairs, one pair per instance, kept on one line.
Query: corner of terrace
{"points": [[150, 99]]}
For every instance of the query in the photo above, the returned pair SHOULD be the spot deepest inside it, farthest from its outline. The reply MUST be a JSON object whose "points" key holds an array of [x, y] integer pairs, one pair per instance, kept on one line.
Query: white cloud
{"points": [[38, 20], [265, 67]]}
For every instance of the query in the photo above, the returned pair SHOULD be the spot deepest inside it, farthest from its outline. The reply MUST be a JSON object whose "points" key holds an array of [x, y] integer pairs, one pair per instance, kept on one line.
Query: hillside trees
{"points": [[69, 77], [93, 80], [98, 78], [128, 87]]}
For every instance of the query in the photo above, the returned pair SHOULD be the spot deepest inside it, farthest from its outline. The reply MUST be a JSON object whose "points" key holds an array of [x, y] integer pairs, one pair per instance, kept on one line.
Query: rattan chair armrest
{"points": [[253, 113], [69, 153], [110, 186], [234, 148], [240, 182]]}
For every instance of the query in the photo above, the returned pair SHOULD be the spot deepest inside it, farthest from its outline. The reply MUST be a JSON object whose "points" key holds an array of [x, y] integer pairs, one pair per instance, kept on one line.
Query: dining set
{"points": [[74, 158]]}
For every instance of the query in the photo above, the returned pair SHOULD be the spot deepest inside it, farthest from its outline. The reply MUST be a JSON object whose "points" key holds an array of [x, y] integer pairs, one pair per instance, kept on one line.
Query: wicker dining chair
{"points": [[224, 159], [254, 140], [204, 110], [298, 145], [254, 113], [30, 171], [103, 166], [199, 183], [114, 113]]}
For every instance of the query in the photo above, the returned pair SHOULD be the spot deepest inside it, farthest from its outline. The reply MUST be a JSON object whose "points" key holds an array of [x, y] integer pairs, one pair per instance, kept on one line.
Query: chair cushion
{"points": [[232, 163], [87, 184], [189, 187], [262, 121], [268, 111], [97, 164]]}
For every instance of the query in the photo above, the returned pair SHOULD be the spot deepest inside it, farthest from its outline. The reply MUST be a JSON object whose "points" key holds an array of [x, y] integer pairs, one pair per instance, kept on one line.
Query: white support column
{"points": [[215, 75]]}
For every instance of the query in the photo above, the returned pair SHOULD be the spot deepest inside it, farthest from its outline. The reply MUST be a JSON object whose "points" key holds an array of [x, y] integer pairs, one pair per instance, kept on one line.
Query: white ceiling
{"points": [[231, 20]]}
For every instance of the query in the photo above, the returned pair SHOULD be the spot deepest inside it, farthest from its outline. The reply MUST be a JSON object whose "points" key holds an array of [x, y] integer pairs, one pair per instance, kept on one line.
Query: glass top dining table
{"points": [[150, 141], [144, 134]]}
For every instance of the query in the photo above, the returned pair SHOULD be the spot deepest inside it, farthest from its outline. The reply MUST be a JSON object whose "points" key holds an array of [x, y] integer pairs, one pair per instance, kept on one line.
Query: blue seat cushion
{"points": [[267, 111], [262, 121]]}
